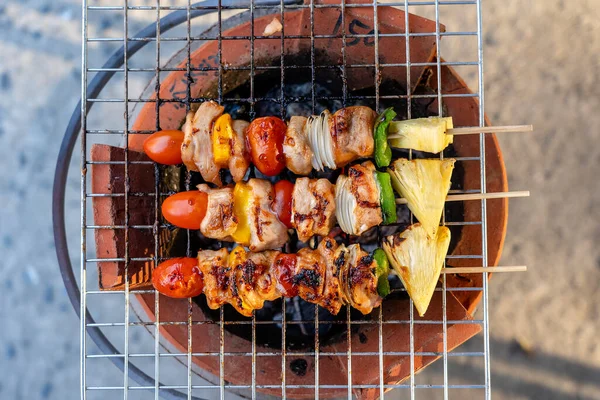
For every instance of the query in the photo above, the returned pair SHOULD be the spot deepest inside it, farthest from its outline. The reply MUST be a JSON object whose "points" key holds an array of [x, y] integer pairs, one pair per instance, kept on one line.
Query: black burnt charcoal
{"points": [[362, 338], [299, 366]]}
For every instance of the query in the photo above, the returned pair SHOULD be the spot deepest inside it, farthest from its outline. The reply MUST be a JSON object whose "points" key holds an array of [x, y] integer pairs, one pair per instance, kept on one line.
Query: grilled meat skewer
{"points": [[211, 140], [257, 214], [331, 276]]}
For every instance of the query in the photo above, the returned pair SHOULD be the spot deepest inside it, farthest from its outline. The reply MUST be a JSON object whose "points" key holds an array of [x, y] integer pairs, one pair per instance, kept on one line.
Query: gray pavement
{"points": [[542, 63]]}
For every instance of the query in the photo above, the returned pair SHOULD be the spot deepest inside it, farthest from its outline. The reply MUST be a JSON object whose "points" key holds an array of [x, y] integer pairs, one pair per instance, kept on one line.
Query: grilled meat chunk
{"points": [[188, 146], [255, 281], [309, 276], [296, 148], [196, 149], [266, 230], [240, 268], [240, 159], [362, 281], [313, 207], [358, 206], [332, 299], [217, 277], [219, 221], [351, 129], [252, 279], [358, 278]]}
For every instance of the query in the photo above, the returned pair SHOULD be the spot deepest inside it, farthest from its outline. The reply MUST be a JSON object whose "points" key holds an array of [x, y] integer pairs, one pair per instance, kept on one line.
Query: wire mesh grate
{"points": [[165, 369]]}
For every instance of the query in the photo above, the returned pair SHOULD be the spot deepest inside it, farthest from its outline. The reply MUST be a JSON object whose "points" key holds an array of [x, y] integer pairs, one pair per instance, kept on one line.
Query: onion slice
{"points": [[345, 204], [320, 141]]}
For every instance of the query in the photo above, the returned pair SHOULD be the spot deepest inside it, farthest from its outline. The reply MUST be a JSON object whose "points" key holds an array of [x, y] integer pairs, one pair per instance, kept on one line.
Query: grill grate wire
{"points": [[130, 45]]}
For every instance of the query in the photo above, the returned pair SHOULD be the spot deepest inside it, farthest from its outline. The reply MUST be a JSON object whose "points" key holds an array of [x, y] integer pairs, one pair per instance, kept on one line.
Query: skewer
{"points": [[474, 270], [469, 130], [478, 196]]}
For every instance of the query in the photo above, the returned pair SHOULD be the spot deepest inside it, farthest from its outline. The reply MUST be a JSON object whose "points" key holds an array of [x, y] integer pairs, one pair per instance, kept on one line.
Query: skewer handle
{"points": [[474, 270], [478, 196], [489, 129], [470, 130]]}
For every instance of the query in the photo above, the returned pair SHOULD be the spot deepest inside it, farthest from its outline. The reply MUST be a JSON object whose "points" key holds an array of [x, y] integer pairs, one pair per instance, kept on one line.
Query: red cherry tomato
{"points": [[179, 278], [283, 201], [185, 209], [265, 139], [285, 265], [164, 147]]}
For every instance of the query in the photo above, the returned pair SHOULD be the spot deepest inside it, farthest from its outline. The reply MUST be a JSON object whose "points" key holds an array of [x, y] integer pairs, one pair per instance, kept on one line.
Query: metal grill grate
{"points": [[143, 371]]}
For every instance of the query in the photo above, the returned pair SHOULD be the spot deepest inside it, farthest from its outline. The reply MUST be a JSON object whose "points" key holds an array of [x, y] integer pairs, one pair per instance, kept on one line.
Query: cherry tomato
{"points": [[179, 278], [185, 209], [285, 265], [283, 201], [164, 147], [265, 139]]}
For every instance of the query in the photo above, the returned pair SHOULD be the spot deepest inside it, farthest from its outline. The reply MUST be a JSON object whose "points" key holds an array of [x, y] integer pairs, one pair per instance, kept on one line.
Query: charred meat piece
{"points": [[296, 148], [266, 230], [351, 130], [219, 222], [240, 159], [363, 282], [252, 279], [313, 207], [357, 199], [358, 278], [217, 277], [196, 149], [188, 146], [309, 276], [332, 299]]}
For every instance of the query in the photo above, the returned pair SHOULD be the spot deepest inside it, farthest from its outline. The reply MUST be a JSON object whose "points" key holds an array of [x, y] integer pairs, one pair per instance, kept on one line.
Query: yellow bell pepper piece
{"points": [[242, 195], [222, 136], [237, 256]]}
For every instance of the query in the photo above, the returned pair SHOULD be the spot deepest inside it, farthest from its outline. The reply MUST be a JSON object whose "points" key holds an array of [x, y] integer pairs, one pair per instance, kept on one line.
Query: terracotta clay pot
{"points": [[332, 369]]}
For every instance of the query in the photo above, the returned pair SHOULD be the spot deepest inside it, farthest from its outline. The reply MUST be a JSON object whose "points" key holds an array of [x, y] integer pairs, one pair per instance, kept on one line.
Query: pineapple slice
{"points": [[423, 134], [417, 258], [424, 184]]}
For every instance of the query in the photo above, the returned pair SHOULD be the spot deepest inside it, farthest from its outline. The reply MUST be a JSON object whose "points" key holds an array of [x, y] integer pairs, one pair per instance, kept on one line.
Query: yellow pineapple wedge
{"points": [[424, 183], [417, 258], [423, 134]]}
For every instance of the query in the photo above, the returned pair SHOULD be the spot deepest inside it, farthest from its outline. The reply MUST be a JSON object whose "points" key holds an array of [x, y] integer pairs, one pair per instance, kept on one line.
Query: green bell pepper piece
{"points": [[387, 200], [383, 269], [383, 151]]}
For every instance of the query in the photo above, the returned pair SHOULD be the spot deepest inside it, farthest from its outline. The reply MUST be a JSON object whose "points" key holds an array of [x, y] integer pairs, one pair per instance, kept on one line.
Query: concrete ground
{"points": [[542, 66]]}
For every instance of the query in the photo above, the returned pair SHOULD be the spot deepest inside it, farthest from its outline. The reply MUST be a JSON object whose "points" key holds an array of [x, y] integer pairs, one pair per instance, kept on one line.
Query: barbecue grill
{"points": [[328, 54]]}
